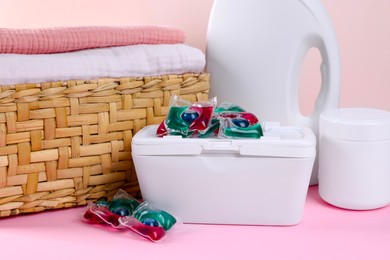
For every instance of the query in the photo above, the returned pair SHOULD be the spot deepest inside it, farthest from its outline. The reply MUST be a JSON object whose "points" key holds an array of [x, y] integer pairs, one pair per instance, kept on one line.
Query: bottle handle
{"points": [[328, 96]]}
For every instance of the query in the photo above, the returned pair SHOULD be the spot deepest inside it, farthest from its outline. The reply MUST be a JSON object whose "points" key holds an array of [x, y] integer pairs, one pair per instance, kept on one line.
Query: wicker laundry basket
{"points": [[63, 144]]}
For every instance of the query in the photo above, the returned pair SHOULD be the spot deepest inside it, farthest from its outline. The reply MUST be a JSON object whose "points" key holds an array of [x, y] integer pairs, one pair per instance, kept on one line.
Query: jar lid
{"points": [[356, 124]]}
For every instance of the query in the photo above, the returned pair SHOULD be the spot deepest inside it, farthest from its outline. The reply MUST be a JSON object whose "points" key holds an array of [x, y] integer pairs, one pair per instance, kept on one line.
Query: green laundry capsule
{"points": [[253, 131], [165, 219], [123, 207], [174, 120]]}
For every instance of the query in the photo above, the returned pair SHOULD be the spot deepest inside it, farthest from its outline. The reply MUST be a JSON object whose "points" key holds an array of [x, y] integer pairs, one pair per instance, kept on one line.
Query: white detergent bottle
{"points": [[255, 52]]}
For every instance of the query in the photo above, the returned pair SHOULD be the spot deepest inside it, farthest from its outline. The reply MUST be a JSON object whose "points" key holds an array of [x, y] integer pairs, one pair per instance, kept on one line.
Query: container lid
{"points": [[356, 124], [276, 142]]}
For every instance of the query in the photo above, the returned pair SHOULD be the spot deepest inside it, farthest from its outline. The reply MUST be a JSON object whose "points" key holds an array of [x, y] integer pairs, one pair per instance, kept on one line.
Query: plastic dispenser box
{"points": [[227, 181]]}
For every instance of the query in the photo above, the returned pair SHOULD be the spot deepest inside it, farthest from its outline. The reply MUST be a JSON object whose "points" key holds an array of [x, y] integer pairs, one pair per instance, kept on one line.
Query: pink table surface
{"points": [[326, 232]]}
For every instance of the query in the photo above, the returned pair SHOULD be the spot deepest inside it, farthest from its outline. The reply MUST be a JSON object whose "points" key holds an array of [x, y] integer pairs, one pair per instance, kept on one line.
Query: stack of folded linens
{"points": [[71, 99]]}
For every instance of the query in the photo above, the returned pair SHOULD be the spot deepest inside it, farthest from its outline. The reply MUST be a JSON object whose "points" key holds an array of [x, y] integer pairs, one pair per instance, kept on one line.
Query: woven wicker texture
{"points": [[63, 144]]}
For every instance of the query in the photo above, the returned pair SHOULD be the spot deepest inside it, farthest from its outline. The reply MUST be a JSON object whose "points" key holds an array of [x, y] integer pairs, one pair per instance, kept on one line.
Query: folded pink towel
{"points": [[65, 39]]}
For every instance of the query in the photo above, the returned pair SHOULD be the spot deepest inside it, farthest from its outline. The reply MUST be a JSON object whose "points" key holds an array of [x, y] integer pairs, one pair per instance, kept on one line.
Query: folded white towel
{"points": [[125, 61]]}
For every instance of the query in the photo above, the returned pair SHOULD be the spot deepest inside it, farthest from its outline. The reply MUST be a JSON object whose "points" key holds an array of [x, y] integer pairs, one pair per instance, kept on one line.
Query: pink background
{"points": [[362, 27]]}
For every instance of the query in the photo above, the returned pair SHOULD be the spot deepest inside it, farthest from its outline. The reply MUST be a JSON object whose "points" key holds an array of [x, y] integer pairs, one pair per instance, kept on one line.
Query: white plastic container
{"points": [[223, 181], [354, 158]]}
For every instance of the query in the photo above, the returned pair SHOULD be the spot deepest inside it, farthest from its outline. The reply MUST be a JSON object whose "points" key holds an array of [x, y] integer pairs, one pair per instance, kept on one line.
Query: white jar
{"points": [[354, 158]]}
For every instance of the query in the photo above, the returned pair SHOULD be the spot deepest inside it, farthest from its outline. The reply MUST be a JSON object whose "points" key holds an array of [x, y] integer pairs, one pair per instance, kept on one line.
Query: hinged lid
{"points": [[276, 142]]}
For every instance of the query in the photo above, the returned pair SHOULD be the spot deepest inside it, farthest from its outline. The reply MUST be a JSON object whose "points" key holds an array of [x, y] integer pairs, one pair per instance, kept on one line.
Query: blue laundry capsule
{"points": [[150, 222], [240, 122], [189, 116], [121, 211]]}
